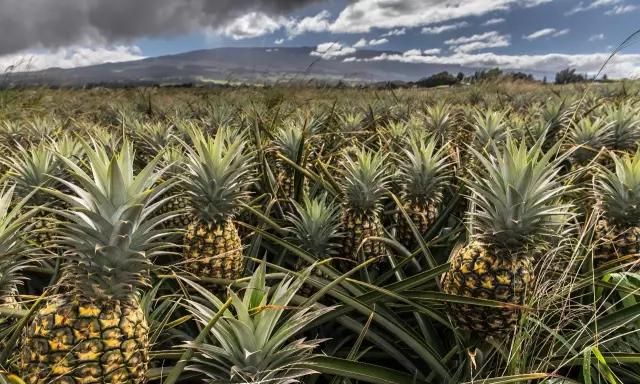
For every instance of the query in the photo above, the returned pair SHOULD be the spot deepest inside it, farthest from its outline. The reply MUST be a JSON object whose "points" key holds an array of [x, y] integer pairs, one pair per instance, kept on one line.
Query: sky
{"points": [[536, 35]]}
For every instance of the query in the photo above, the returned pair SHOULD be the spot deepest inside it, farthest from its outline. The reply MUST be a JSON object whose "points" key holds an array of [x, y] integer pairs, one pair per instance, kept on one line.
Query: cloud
{"points": [[546, 32], [360, 16], [466, 44], [621, 9], [253, 24], [432, 51], [318, 23], [497, 20], [361, 43], [69, 57], [332, 50], [443, 28], [375, 42], [395, 32], [46, 24], [623, 65], [598, 37], [582, 7], [278, 41]]}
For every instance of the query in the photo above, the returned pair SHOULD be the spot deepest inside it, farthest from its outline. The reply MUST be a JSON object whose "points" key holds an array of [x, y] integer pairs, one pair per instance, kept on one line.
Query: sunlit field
{"points": [[480, 233]]}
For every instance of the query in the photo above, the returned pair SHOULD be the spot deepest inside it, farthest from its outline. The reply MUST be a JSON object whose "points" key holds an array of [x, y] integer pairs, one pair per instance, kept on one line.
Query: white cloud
{"points": [[69, 57], [364, 43], [278, 41], [621, 9], [432, 51], [561, 32], [598, 37], [494, 21], [466, 44], [412, 52], [375, 42], [361, 43], [395, 32], [443, 28], [582, 7], [333, 49], [318, 23], [623, 65], [360, 16], [546, 32], [252, 24]]}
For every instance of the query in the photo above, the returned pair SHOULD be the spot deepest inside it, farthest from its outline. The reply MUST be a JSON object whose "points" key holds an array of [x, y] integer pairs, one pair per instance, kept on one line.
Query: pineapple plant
{"points": [[257, 343], [217, 179], [555, 115], [364, 181], [315, 228], [514, 198], [589, 136], [150, 139], [95, 330], [617, 193], [440, 120], [424, 173], [290, 142], [32, 169], [625, 119]]}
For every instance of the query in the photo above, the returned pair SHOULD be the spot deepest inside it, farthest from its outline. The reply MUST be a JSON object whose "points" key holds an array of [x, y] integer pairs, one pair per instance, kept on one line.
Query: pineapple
{"points": [[589, 136], [514, 200], [219, 174], [151, 139], [424, 173], [95, 329], [290, 142], [440, 120], [30, 169], [263, 348], [618, 194], [626, 126], [364, 182], [315, 227], [554, 116]]}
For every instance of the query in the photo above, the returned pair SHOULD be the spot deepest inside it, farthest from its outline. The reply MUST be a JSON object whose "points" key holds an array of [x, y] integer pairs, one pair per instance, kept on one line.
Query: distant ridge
{"points": [[234, 65]]}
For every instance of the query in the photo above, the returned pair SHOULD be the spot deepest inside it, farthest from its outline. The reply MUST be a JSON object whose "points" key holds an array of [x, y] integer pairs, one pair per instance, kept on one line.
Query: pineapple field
{"points": [[478, 234]]}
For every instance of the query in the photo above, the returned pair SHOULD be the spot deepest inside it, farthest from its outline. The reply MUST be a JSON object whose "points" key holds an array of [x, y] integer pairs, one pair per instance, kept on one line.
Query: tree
{"points": [[460, 76], [439, 79], [568, 76]]}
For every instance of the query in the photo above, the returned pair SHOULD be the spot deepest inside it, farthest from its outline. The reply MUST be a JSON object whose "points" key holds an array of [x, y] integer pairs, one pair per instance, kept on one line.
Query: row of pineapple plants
{"points": [[108, 205]]}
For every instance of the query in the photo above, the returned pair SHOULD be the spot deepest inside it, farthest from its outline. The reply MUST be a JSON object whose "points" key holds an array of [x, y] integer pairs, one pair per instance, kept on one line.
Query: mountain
{"points": [[235, 65]]}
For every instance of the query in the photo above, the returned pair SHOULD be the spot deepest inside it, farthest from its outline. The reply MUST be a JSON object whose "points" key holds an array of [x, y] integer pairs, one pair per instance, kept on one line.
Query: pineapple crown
{"points": [[351, 122], [153, 136], [439, 119], [253, 342], [619, 190], [590, 135], [34, 167], [289, 141], [315, 226], [554, 114], [423, 171], [515, 195], [626, 125], [364, 180], [219, 173], [13, 223], [489, 127], [110, 233]]}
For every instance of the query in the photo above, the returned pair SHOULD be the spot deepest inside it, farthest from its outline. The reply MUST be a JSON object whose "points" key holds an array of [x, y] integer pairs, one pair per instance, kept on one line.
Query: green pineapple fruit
{"points": [[514, 199], [95, 330], [219, 173]]}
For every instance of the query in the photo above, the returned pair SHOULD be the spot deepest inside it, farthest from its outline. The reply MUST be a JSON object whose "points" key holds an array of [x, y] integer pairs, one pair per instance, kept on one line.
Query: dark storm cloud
{"points": [[53, 23]]}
